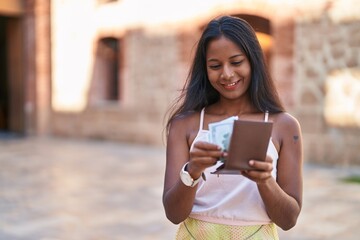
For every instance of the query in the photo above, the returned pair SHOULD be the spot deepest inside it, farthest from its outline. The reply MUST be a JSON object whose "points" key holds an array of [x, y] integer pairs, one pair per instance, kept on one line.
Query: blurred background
{"points": [[93, 79]]}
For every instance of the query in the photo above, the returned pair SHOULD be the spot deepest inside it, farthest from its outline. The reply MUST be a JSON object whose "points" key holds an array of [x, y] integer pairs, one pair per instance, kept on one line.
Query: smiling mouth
{"points": [[230, 85]]}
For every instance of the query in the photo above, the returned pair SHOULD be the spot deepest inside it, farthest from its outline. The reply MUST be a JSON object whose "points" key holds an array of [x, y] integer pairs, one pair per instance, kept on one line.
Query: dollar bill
{"points": [[220, 132]]}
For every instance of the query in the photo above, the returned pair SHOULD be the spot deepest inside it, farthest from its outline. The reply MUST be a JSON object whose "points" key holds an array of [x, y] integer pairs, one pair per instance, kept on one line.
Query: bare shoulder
{"points": [[286, 120], [187, 119], [285, 127], [185, 124]]}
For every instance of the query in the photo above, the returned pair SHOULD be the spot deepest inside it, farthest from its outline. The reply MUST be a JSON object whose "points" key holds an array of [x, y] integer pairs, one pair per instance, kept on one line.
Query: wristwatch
{"points": [[186, 178]]}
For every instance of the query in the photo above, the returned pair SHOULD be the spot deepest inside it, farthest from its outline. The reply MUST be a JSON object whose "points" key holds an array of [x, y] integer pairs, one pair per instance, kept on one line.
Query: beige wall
{"points": [[156, 58], [156, 49], [326, 58]]}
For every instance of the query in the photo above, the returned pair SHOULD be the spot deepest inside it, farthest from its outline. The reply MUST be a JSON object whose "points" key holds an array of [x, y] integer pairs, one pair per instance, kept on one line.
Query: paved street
{"points": [[66, 189]]}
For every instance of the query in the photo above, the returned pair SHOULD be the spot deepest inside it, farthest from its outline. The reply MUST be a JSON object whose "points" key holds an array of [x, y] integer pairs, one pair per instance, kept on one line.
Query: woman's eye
{"points": [[237, 62], [214, 66]]}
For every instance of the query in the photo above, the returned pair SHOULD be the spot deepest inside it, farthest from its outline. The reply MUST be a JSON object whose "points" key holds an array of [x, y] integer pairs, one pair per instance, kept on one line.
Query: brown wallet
{"points": [[249, 140]]}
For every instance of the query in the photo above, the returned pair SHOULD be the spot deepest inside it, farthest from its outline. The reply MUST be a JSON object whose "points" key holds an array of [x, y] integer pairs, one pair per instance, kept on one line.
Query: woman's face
{"points": [[228, 68]]}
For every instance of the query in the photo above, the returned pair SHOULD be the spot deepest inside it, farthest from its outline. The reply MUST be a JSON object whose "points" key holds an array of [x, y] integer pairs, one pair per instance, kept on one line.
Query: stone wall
{"points": [[308, 46], [155, 67], [323, 46], [37, 66], [150, 75]]}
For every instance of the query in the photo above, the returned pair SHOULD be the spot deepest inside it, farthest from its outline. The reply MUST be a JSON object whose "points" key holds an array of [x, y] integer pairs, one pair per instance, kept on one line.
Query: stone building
{"points": [[109, 69]]}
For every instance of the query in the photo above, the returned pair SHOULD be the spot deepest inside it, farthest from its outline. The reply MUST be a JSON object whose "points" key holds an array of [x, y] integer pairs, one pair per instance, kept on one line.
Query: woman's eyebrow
{"points": [[215, 60], [237, 55], [212, 60]]}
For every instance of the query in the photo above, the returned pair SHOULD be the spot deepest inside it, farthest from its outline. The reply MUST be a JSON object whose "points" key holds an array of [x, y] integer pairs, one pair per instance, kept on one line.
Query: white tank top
{"points": [[229, 199]]}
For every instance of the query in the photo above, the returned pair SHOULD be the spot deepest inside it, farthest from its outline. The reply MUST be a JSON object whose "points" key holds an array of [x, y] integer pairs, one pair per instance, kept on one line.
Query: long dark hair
{"points": [[198, 92]]}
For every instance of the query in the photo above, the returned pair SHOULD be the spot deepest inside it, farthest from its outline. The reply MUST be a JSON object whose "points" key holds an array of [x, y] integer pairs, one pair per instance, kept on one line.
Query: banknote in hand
{"points": [[220, 132]]}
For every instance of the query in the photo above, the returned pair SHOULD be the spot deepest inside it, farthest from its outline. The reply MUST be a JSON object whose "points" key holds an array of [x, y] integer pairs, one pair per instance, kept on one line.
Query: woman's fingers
{"points": [[206, 146], [204, 155], [257, 176], [261, 166], [204, 149], [261, 170]]}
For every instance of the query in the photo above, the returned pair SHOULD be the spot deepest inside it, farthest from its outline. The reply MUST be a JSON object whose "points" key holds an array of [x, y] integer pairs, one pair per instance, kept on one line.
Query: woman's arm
{"points": [[283, 197], [178, 199]]}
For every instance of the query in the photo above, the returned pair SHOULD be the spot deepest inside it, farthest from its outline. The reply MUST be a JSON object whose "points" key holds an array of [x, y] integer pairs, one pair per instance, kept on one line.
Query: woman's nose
{"points": [[227, 73]]}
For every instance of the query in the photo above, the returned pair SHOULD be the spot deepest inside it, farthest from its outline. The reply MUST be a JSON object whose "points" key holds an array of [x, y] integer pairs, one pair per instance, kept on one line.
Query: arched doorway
{"points": [[262, 28], [11, 77]]}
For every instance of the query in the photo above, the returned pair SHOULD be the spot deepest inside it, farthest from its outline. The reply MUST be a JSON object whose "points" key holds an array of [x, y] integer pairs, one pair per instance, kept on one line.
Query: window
{"points": [[106, 83], [110, 51]]}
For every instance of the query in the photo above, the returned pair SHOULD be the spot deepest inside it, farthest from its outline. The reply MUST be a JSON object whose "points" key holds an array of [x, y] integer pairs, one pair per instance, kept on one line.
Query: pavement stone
{"points": [[77, 189]]}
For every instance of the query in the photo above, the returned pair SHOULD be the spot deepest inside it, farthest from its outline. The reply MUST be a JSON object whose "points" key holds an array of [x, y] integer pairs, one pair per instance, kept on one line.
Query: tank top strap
{"points": [[202, 119], [266, 117]]}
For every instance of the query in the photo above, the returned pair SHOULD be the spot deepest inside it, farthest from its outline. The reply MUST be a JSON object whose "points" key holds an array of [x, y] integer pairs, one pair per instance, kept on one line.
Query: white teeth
{"points": [[231, 84]]}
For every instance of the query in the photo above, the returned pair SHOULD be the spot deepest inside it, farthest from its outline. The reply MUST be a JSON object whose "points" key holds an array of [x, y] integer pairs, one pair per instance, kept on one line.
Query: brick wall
{"points": [[151, 73], [323, 46], [155, 65], [308, 45]]}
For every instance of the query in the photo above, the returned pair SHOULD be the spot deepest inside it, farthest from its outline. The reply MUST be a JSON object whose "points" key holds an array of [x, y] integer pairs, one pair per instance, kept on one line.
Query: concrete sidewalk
{"points": [[53, 188]]}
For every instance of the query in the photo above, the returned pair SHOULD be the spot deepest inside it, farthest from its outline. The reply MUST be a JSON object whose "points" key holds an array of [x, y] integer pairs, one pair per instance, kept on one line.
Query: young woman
{"points": [[228, 78]]}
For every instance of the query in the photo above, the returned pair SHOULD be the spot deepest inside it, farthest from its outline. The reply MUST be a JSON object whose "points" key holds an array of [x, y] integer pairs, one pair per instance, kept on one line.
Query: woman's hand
{"points": [[202, 156], [261, 172]]}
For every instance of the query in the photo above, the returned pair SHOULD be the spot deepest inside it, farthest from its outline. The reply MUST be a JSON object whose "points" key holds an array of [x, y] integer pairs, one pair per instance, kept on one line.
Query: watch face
{"points": [[186, 178]]}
